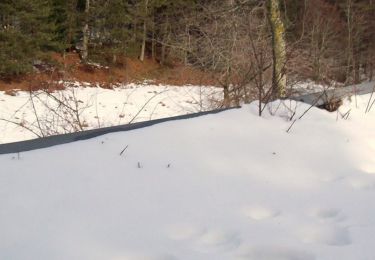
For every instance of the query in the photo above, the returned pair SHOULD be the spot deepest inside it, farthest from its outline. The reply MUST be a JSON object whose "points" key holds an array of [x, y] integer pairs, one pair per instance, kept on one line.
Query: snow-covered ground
{"points": [[307, 87], [26, 116], [97, 107], [226, 186]]}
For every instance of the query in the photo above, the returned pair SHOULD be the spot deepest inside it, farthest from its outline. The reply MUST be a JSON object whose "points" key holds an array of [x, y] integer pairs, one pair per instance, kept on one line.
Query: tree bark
{"points": [[226, 102], [144, 35], [85, 50], [278, 48], [153, 42], [371, 71], [166, 36], [349, 58]]}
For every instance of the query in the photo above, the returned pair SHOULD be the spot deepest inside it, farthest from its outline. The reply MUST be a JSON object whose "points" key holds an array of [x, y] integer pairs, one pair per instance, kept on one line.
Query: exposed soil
{"points": [[128, 70]]}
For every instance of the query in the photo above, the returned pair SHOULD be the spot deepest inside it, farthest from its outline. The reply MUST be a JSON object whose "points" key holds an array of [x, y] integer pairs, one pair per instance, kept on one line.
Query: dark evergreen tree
{"points": [[26, 32], [110, 23], [65, 16]]}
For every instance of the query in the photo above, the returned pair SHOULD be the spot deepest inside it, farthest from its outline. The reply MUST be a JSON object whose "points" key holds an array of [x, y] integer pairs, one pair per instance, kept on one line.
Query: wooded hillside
{"points": [[323, 40]]}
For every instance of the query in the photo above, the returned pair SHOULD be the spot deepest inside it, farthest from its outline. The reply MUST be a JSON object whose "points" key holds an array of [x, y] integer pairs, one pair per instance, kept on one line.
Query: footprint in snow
{"points": [[218, 240], [203, 239], [133, 256], [331, 235], [167, 257], [327, 214], [362, 182], [276, 253], [260, 213], [184, 231], [369, 167], [329, 177]]}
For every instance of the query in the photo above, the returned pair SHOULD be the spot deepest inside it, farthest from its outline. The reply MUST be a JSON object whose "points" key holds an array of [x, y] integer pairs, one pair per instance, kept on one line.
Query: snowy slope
{"points": [[224, 186]]}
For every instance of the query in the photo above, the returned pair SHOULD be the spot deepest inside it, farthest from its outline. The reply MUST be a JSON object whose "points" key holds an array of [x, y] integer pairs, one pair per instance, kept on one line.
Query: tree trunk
{"points": [[153, 42], [226, 96], [144, 35], [350, 56], [371, 71], [143, 47], [356, 71], [187, 44], [85, 50], [278, 48], [165, 40]]}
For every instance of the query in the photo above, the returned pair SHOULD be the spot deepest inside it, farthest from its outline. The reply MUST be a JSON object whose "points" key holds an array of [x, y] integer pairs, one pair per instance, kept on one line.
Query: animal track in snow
{"points": [[260, 213], [325, 234], [276, 253]]}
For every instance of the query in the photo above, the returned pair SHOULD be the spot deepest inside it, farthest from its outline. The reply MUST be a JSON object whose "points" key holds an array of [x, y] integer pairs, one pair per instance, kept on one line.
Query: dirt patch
{"points": [[183, 75], [126, 71], [11, 92]]}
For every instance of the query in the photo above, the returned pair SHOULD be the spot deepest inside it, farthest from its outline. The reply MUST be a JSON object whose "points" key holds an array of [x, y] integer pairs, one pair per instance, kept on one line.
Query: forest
{"points": [[247, 45]]}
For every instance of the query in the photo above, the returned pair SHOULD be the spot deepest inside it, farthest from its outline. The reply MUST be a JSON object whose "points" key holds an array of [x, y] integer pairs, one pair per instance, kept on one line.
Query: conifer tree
{"points": [[26, 31], [65, 16]]}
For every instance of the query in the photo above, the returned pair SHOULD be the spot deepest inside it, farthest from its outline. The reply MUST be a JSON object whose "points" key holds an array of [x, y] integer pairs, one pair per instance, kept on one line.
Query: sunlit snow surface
{"points": [[97, 107], [226, 186]]}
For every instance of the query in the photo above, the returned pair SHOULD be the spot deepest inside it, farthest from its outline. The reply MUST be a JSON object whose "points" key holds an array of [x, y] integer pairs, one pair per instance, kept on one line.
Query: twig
{"points": [[373, 102], [21, 125], [35, 112], [305, 112], [125, 103], [369, 105], [124, 150], [346, 115], [145, 104]]}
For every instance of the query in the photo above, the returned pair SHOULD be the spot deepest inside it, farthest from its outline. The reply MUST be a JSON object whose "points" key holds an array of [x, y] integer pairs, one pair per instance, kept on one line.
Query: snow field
{"points": [[225, 186]]}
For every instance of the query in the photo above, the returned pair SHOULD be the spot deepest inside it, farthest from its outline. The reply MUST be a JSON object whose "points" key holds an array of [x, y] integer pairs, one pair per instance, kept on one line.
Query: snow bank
{"points": [[225, 186]]}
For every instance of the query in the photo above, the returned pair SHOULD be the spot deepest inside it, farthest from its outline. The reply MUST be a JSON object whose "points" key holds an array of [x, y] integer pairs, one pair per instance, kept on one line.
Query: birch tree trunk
{"points": [[278, 48], [85, 49]]}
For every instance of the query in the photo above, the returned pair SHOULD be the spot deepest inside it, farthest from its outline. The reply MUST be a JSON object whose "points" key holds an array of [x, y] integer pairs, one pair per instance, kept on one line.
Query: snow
{"points": [[308, 87], [226, 186], [98, 107]]}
